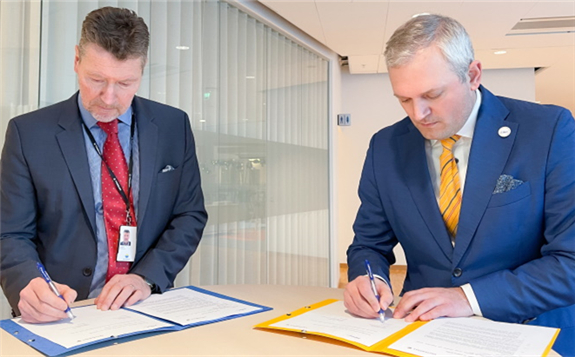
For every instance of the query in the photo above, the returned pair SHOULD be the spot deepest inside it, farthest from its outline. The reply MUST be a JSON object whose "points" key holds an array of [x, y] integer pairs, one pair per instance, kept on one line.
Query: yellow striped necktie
{"points": [[450, 187]]}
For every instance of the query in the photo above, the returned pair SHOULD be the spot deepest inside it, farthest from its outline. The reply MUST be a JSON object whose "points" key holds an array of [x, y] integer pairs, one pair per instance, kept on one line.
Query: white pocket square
{"points": [[168, 168], [506, 183]]}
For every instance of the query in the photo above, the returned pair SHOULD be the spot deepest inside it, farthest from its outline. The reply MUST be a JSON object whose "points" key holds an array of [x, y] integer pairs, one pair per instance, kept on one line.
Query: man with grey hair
{"points": [[479, 190], [78, 173]]}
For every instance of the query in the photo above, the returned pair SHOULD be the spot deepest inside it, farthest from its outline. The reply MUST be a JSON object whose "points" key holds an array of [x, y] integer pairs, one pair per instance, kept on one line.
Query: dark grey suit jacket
{"points": [[47, 205]]}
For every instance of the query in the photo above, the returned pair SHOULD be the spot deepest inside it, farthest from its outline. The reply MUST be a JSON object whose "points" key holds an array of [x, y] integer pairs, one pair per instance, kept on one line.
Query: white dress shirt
{"points": [[461, 148]]}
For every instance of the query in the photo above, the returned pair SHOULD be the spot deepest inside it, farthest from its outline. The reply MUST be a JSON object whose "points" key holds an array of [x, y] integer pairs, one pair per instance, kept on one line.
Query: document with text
{"points": [[173, 310], [334, 320], [476, 337], [440, 337], [92, 325], [186, 306]]}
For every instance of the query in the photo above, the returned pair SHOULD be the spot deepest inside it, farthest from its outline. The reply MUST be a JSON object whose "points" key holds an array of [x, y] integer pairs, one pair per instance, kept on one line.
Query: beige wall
{"points": [[369, 100]]}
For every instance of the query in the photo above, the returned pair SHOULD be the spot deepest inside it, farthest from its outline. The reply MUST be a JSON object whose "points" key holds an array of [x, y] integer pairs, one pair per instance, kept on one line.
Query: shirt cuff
{"points": [[385, 281], [470, 295]]}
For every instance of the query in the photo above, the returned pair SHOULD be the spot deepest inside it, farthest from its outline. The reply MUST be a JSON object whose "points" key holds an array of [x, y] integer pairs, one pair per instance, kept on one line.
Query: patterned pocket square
{"points": [[506, 183], [168, 168]]}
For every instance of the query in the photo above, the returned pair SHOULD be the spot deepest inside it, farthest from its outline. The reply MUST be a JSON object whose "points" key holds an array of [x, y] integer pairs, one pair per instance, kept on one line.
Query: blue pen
{"points": [[53, 287], [372, 281]]}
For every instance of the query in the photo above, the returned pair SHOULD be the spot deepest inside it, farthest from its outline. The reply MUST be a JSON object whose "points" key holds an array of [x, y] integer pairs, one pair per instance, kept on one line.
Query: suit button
{"points": [[87, 271], [457, 272]]}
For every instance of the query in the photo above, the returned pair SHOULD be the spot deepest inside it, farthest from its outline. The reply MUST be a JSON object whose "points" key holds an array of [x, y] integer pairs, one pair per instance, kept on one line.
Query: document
{"points": [[441, 337], [92, 325], [334, 320], [186, 307], [475, 337]]}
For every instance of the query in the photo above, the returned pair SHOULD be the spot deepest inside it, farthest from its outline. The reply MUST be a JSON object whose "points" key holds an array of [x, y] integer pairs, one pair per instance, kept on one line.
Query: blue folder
{"points": [[50, 348]]}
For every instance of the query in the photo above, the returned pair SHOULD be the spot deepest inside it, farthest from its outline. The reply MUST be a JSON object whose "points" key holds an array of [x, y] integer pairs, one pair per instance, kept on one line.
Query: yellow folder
{"points": [[380, 347]]}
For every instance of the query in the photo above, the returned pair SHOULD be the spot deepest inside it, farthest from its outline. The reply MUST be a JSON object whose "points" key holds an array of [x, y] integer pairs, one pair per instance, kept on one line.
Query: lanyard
{"points": [[112, 175]]}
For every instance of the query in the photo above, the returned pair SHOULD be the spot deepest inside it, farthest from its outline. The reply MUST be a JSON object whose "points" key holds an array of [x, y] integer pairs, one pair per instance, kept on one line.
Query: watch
{"points": [[153, 287]]}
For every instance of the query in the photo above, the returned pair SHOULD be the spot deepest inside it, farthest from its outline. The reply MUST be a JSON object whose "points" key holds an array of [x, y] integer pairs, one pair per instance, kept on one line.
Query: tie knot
{"points": [[109, 127], [449, 142]]}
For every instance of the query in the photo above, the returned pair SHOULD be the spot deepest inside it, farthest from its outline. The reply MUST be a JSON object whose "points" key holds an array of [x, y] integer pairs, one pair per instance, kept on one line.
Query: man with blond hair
{"points": [[479, 190]]}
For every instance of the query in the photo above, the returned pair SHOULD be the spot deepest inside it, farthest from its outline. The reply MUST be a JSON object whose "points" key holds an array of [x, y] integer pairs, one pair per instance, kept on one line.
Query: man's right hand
{"points": [[360, 300], [38, 303]]}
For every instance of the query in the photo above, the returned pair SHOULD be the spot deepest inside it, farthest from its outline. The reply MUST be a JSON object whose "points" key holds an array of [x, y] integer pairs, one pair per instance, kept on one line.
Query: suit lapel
{"points": [[70, 140], [148, 143], [411, 148], [487, 158]]}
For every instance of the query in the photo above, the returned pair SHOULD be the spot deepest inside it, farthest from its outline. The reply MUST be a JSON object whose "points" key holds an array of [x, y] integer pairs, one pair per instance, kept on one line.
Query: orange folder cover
{"points": [[381, 347]]}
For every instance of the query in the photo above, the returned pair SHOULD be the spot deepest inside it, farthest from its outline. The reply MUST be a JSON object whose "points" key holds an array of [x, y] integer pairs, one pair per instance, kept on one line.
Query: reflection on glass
{"points": [[258, 104]]}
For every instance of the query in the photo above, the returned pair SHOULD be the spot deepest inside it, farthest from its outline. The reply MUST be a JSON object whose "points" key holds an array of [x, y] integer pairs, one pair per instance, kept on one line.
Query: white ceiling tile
{"points": [[514, 58], [501, 19], [552, 9], [353, 28], [401, 11], [303, 14]]}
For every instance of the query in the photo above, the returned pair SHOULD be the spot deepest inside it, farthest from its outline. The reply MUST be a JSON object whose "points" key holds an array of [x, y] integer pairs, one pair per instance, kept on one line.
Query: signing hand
{"points": [[122, 290], [360, 300], [430, 303], [38, 303]]}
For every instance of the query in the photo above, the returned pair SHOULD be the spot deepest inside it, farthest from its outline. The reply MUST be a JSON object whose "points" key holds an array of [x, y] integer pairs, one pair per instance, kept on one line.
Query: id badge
{"points": [[127, 244]]}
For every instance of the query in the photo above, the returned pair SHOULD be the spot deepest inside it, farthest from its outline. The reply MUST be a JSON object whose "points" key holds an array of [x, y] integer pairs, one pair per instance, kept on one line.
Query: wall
{"points": [[369, 99]]}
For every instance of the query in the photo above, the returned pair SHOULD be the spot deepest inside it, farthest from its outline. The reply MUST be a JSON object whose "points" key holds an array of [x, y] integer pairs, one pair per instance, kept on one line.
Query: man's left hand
{"points": [[122, 290], [430, 303]]}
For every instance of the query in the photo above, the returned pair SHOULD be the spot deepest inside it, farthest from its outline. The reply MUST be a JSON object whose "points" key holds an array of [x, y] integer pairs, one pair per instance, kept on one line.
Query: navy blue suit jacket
{"points": [[516, 248], [47, 205]]}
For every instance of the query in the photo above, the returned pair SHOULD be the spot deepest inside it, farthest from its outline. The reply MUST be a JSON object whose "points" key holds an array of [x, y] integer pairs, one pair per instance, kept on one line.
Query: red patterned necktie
{"points": [[114, 205]]}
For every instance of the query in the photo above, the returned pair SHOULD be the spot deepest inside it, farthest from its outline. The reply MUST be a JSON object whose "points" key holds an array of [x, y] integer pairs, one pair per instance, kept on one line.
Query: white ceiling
{"points": [[360, 29]]}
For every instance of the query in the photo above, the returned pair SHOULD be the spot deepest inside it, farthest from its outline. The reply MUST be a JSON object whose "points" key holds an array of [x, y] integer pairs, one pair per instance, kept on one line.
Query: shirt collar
{"points": [[469, 126], [90, 121]]}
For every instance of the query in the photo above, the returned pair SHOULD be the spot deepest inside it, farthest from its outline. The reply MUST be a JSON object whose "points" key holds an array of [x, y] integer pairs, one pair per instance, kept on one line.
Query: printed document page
{"points": [[475, 337], [334, 320], [186, 306], [92, 325]]}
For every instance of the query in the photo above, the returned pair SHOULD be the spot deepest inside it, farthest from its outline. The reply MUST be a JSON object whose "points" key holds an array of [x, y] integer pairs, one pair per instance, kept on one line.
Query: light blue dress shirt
{"points": [[95, 162]]}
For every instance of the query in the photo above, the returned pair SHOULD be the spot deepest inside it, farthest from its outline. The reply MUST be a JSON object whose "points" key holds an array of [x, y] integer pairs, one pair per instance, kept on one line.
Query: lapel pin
{"points": [[504, 131]]}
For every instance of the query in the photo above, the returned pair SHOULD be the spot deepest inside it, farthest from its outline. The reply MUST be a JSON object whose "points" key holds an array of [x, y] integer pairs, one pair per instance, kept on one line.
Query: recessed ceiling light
{"points": [[501, 52], [250, 77], [182, 48]]}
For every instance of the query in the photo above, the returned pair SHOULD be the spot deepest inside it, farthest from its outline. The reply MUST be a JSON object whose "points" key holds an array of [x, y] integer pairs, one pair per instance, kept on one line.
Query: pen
{"points": [[372, 281], [53, 287]]}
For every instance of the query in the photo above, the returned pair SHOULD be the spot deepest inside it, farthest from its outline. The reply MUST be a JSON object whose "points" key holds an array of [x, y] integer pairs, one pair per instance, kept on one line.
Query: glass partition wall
{"points": [[258, 105]]}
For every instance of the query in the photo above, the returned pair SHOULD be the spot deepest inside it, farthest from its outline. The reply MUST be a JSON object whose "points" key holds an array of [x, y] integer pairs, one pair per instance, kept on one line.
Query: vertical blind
{"points": [[19, 59], [258, 105], [19, 70]]}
